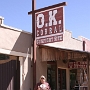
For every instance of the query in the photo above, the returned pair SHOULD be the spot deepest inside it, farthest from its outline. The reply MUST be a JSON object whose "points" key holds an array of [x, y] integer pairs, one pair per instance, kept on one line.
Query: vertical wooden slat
{"points": [[0, 77], [5, 77], [11, 70], [14, 75], [8, 86], [18, 75], [49, 54], [8, 72]]}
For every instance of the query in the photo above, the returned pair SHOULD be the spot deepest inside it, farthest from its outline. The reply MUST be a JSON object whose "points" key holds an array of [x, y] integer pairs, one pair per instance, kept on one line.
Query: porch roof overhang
{"points": [[50, 53], [64, 49]]}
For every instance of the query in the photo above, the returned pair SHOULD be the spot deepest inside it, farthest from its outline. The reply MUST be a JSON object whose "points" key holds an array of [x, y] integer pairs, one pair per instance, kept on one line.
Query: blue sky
{"points": [[77, 14]]}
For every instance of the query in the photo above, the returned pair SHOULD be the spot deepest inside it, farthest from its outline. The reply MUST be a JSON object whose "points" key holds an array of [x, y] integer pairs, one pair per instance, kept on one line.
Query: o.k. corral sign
{"points": [[49, 26]]}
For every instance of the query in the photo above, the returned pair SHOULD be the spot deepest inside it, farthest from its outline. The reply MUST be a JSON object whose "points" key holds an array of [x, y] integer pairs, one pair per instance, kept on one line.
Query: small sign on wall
{"points": [[82, 64]]}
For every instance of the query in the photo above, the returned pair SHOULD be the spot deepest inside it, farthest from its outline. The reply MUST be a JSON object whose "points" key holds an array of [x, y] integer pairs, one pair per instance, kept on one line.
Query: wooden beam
{"points": [[49, 7]]}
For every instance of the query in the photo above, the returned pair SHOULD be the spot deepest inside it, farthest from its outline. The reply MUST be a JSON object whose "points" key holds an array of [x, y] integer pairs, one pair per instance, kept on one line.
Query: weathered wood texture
{"points": [[53, 54]]}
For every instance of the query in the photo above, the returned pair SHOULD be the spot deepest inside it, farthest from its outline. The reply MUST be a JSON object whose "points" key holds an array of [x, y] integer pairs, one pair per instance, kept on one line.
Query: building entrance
{"points": [[56, 77], [73, 74], [52, 75], [61, 79], [78, 79]]}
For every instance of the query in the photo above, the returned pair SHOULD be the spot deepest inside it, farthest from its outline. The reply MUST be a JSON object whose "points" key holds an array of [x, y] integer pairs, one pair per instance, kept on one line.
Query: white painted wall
{"points": [[26, 80], [68, 42]]}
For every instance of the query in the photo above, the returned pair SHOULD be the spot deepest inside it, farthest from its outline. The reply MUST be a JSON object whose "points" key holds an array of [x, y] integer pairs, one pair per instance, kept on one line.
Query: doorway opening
{"points": [[79, 77], [52, 75], [61, 79]]}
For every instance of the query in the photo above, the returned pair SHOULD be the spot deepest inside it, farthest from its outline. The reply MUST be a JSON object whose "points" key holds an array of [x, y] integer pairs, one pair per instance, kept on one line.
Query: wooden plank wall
{"points": [[53, 54]]}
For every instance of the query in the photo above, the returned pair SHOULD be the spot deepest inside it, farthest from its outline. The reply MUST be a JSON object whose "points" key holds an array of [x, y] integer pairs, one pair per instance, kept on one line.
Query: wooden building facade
{"points": [[63, 65]]}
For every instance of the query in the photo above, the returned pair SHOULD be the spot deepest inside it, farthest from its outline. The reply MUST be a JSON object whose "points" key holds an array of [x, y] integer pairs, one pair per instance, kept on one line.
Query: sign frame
{"points": [[50, 37]]}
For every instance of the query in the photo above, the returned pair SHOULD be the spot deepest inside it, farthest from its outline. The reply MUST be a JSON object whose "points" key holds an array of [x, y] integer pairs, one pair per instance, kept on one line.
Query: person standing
{"points": [[42, 84]]}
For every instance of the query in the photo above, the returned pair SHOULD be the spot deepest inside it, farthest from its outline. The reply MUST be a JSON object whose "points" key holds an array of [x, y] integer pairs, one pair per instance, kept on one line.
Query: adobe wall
{"points": [[68, 42]]}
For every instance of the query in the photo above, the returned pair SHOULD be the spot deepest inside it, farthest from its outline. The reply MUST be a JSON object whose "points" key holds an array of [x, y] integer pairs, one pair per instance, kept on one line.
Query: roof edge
{"points": [[15, 29]]}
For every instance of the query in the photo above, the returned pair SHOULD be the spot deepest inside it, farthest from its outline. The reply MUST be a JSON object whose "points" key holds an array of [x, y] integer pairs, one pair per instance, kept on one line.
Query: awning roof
{"points": [[64, 49], [50, 53]]}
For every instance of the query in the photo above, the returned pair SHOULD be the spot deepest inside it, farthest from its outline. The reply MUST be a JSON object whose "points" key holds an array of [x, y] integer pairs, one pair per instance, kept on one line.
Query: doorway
{"points": [[52, 75], [80, 76], [73, 75], [61, 79]]}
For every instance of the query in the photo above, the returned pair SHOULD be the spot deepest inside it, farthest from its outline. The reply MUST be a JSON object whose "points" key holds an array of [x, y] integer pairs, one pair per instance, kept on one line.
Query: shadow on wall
{"points": [[8, 75], [27, 80], [23, 43]]}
